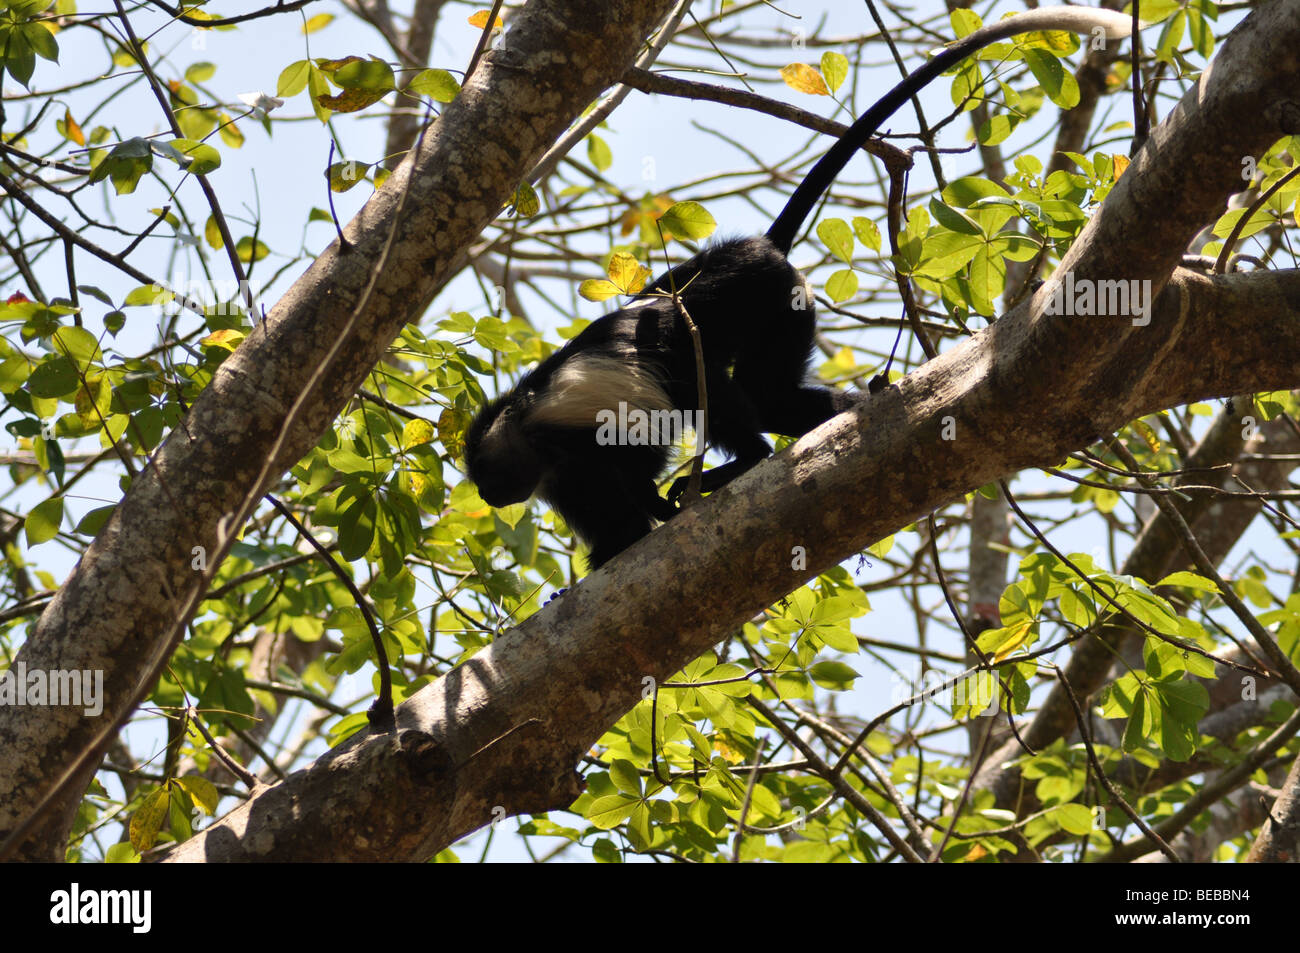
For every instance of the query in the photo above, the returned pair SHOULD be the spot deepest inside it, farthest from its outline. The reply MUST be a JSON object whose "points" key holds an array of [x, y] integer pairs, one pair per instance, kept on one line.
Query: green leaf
{"points": [[199, 157], [608, 812], [200, 72], [1075, 819], [867, 231], [835, 68], [78, 344], [953, 219], [97, 293], [148, 296], [1059, 84], [41, 41], [357, 526], [833, 675], [625, 777], [437, 84], [838, 237], [964, 21], [20, 59], [997, 129], [43, 522], [842, 285], [599, 153], [122, 853], [125, 164], [94, 521], [1189, 580], [53, 377], [688, 220], [293, 79], [966, 191], [1171, 38], [371, 74]]}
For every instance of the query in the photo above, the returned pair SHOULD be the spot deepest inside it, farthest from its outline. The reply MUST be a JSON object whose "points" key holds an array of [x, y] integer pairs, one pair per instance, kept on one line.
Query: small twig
{"points": [[344, 244], [1221, 263], [1110, 600], [1141, 115], [846, 790], [1280, 660], [654, 743], [381, 712], [233, 766], [937, 854], [701, 390], [1226, 782], [136, 48], [1104, 781], [744, 804], [488, 29]]}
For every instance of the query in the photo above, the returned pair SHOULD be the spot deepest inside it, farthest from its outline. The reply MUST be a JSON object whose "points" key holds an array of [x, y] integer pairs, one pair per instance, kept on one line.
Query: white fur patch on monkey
{"points": [[591, 383]]}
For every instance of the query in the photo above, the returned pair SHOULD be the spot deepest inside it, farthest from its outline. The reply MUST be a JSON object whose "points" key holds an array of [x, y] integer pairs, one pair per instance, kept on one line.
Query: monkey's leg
{"points": [[598, 506], [654, 504], [772, 374], [733, 427], [803, 409]]}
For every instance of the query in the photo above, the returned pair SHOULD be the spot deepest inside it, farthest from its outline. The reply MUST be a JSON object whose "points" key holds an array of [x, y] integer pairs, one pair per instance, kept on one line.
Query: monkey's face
{"points": [[499, 457]]}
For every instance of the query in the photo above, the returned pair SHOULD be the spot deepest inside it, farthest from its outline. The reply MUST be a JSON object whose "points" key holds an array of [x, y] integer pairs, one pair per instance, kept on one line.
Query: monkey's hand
{"points": [[715, 478], [664, 510]]}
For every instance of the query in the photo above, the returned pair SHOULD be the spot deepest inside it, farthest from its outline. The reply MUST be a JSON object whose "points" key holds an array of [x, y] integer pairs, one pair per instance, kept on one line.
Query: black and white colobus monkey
{"points": [[756, 323]]}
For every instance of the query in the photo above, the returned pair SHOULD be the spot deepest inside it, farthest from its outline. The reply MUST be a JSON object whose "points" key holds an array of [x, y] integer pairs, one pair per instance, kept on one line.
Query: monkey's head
{"points": [[499, 457]]}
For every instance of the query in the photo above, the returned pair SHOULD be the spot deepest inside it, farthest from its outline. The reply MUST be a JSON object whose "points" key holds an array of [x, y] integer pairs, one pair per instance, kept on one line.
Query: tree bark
{"points": [[500, 734], [123, 608]]}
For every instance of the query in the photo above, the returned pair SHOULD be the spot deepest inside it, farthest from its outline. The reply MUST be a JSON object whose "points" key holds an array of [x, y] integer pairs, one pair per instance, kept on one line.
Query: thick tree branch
{"points": [[504, 729], [129, 587]]}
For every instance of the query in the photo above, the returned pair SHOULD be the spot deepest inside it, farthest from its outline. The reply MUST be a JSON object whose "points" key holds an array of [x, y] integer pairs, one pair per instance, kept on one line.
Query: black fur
{"points": [[756, 325], [742, 294]]}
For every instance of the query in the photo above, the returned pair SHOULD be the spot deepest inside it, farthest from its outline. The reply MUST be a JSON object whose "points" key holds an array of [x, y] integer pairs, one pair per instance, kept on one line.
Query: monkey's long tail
{"points": [[1082, 20]]}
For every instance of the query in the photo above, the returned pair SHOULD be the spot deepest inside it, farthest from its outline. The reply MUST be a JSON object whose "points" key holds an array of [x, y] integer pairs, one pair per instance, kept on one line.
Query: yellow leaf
{"points": [[525, 200], [1147, 434], [728, 753], [212, 232], [452, 424], [71, 129], [229, 132], [805, 79], [148, 820], [843, 361], [318, 22], [597, 289], [626, 273], [227, 338], [1121, 163], [416, 432], [628, 223], [480, 20], [1018, 635], [352, 100]]}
